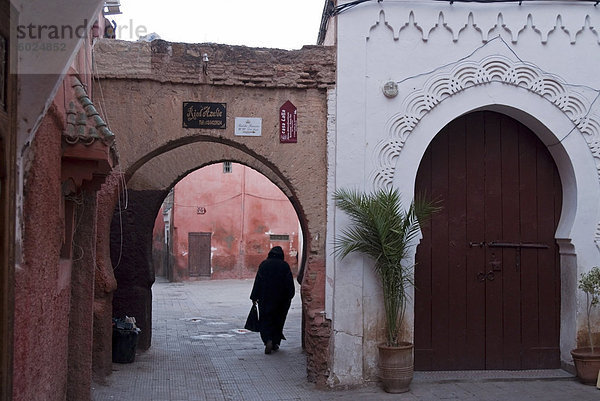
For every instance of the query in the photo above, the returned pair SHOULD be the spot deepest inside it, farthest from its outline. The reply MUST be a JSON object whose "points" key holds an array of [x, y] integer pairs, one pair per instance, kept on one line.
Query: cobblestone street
{"points": [[200, 352]]}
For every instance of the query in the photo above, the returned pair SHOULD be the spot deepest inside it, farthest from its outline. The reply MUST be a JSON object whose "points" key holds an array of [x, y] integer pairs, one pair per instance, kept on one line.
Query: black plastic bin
{"points": [[124, 344]]}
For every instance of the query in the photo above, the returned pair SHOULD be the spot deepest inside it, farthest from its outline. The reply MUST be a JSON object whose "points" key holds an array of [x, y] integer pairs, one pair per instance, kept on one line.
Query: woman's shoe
{"points": [[268, 347]]}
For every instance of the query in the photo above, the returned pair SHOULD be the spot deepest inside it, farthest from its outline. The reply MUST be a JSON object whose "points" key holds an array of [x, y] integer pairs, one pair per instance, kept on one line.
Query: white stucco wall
{"points": [[536, 62]]}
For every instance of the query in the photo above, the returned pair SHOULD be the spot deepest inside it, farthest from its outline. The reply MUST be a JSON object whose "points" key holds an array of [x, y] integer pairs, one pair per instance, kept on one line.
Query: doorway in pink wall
{"points": [[199, 254]]}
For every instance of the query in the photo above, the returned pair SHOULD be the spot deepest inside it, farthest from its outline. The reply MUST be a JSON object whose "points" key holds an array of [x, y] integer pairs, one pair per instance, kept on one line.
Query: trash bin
{"points": [[124, 341]]}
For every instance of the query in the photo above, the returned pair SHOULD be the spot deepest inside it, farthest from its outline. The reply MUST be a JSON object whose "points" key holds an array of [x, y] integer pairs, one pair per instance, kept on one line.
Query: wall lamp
{"points": [[205, 64]]}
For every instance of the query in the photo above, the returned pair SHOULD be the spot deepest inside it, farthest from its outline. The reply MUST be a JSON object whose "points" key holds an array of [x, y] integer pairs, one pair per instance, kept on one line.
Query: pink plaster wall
{"points": [[42, 279], [242, 208], [158, 244]]}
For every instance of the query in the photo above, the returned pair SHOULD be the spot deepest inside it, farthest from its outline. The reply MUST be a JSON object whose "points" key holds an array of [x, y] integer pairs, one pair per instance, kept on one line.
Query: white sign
{"points": [[248, 126]]}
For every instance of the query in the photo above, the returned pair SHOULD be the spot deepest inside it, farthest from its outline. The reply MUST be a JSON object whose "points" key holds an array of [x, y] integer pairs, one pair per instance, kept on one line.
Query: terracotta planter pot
{"points": [[587, 364], [396, 367]]}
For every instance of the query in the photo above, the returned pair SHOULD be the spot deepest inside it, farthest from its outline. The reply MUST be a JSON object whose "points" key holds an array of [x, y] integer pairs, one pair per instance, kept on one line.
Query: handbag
{"points": [[252, 323]]}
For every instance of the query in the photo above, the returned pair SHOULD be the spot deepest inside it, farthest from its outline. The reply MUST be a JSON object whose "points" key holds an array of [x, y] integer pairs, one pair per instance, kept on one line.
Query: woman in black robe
{"points": [[273, 290]]}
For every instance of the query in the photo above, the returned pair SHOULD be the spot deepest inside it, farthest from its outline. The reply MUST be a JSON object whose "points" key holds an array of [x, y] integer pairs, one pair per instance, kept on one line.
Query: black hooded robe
{"points": [[273, 290]]}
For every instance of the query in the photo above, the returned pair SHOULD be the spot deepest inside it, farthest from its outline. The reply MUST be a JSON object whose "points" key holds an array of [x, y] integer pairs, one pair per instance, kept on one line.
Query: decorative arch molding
{"points": [[467, 74], [510, 21], [571, 100]]}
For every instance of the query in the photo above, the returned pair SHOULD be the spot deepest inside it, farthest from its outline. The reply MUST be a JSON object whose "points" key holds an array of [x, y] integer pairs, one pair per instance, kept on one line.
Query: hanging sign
{"points": [[288, 126], [204, 115], [248, 126]]}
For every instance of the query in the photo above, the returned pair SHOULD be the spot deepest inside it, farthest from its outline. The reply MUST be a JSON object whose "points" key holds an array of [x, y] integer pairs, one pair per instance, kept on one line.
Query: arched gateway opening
{"points": [[157, 148], [488, 285], [135, 216]]}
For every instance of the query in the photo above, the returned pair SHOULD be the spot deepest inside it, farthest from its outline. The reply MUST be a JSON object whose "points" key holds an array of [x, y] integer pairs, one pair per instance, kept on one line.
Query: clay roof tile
{"points": [[84, 124]]}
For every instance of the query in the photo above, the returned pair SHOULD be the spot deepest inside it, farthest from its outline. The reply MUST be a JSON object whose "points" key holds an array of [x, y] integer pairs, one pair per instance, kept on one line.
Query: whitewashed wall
{"points": [[537, 62]]}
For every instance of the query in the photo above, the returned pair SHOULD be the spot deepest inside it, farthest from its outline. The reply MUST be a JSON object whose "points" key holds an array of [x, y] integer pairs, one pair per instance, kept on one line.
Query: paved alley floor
{"points": [[200, 351]]}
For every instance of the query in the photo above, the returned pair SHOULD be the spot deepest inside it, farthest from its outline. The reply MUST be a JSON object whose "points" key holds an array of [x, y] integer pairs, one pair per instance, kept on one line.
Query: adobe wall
{"points": [[143, 88], [53, 270], [42, 279]]}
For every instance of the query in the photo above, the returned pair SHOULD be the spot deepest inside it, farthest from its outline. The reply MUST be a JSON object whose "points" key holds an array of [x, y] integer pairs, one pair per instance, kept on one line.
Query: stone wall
{"points": [[143, 86]]}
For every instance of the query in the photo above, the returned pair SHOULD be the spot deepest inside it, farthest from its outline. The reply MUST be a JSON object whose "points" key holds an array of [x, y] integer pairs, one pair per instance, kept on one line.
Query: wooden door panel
{"points": [[457, 244], [493, 231], [528, 266], [510, 275], [424, 330], [548, 264], [483, 306], [475, 312], [199, 254], [439, 255]]}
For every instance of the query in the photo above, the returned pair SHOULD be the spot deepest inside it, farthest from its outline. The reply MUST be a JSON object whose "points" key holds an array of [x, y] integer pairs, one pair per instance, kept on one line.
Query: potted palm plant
{"points": [[587, 359], [384, 230]]}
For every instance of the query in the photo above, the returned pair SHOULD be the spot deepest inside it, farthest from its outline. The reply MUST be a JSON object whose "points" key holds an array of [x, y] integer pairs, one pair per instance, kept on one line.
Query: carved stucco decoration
{"points": [[512, 23], [467, 74]]}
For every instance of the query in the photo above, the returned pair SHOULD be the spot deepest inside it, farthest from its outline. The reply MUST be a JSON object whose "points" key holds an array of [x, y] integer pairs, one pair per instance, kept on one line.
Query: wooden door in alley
{"points": [[199, 254], [487, 275]]}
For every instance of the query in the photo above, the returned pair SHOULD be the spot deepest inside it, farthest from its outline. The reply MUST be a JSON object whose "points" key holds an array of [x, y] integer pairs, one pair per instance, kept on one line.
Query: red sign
{"points": [[288, 126]]}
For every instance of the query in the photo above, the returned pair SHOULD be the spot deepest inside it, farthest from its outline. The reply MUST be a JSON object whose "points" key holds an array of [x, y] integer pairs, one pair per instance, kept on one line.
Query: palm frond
{"points": [[384, 230]]}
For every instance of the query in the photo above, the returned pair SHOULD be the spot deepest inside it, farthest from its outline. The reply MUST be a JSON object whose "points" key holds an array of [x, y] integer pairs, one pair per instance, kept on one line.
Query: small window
{"points": [[226, 167], [279, 237]]}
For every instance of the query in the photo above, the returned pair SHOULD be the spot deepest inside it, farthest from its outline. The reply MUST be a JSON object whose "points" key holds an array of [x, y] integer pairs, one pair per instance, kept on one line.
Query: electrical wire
{"points": [[499, 37], [575, 125], [122, 191], [234, 197], [510, 1], [348, 6], [210, 204], [441, 67]]}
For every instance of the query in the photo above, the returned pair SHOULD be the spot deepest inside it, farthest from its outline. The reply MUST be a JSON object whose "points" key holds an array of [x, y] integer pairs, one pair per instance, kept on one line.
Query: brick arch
{"points": [[142, 98], [169, 164], [131, 229]]}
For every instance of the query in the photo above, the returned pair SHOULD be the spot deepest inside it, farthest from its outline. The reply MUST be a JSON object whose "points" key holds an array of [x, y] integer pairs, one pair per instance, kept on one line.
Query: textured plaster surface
{"points": [[81, 322], [104, 280], [42, 280], [147, 85]]}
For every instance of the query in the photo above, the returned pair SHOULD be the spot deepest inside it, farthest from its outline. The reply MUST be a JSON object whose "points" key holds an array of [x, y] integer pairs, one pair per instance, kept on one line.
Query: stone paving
{"points": [[200, 352]]}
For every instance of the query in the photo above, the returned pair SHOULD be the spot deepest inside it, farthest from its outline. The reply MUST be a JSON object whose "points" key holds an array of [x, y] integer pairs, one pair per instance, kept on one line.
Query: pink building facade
{"points": [[56, 154], [220, 223]]}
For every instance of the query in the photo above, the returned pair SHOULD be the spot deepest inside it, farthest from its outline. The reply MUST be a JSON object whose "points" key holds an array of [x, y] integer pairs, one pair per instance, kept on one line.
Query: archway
{"points": [[145, 103], [132, 225], [575, 163], [488, 277]]}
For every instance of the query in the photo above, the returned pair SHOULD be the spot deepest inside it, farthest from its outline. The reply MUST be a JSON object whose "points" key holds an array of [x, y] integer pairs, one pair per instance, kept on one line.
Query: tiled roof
{"points": [[84, 124]]}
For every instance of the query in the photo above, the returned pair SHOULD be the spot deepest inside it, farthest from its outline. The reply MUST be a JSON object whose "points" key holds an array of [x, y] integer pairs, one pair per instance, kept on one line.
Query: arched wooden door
{"points": [[487, 275]]}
